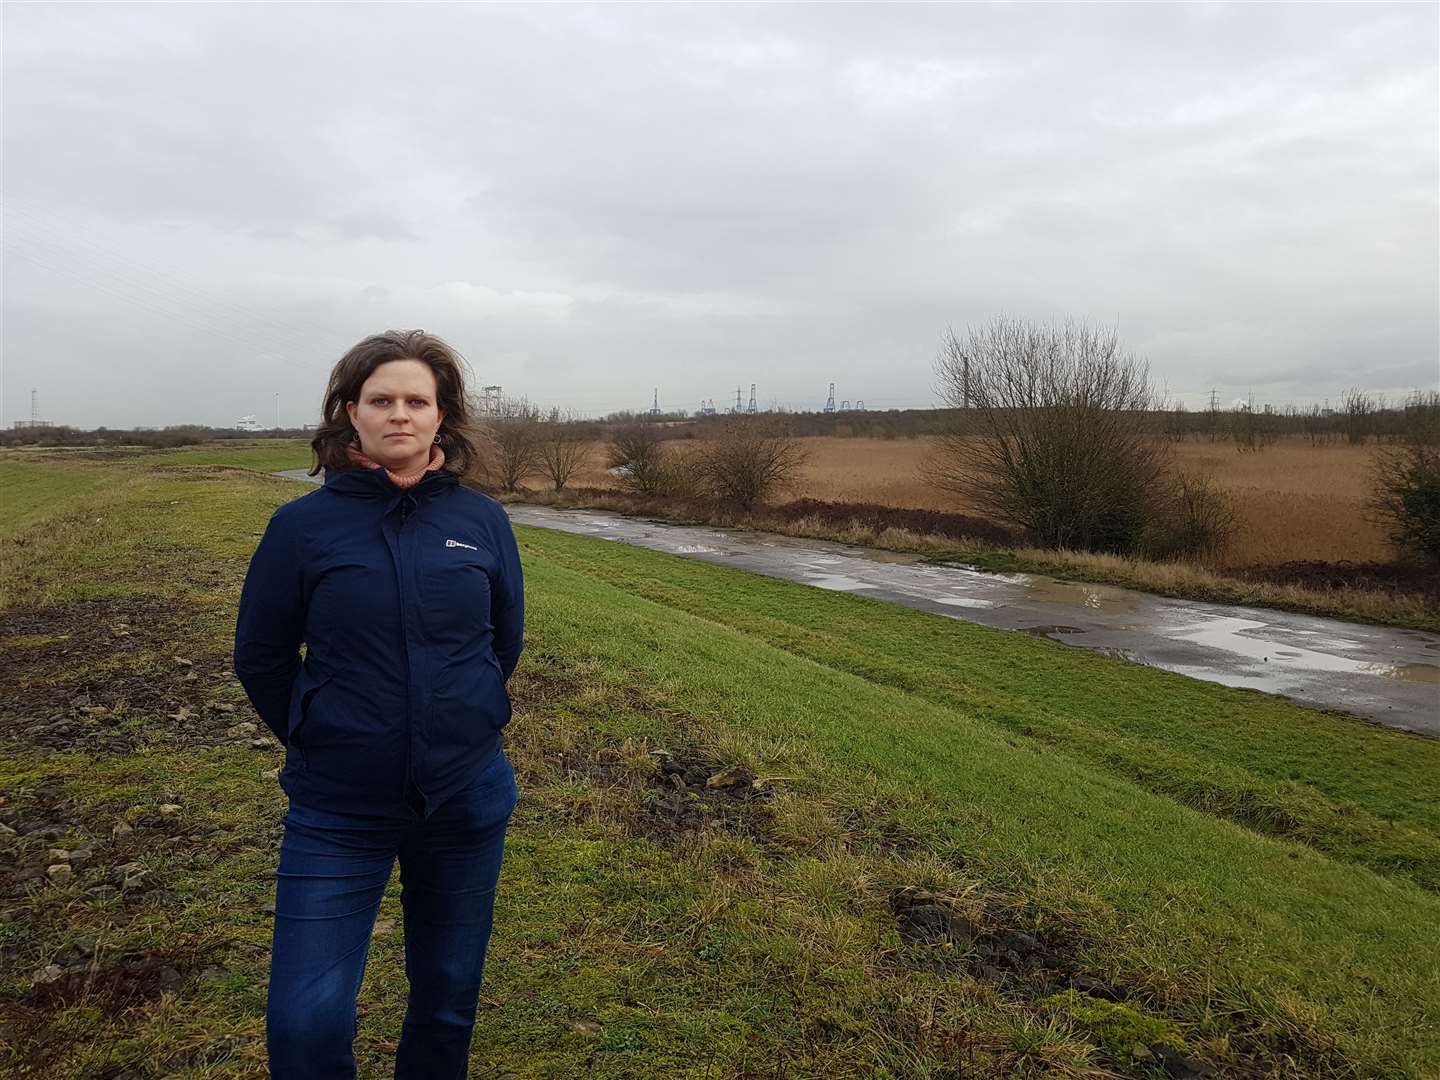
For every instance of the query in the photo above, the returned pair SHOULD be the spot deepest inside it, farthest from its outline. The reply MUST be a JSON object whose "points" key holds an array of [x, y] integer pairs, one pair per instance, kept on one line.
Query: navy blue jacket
{"points": [[411, 606]]}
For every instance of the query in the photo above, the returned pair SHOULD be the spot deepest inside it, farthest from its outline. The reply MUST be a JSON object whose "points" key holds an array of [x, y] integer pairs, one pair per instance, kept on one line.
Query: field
{"points": [[1294, 501], [765, 830]]}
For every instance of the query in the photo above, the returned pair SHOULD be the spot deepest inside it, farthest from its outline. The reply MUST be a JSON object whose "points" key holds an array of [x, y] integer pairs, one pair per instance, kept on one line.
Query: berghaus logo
{"points": [[457, 543]]}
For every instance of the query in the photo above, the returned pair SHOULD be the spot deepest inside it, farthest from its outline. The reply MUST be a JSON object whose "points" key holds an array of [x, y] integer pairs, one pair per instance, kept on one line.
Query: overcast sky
{"points": [[206, 205]]}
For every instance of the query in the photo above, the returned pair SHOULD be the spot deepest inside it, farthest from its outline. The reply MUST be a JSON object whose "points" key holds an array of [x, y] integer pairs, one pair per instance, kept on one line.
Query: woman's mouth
{"points": [[398, 435]]}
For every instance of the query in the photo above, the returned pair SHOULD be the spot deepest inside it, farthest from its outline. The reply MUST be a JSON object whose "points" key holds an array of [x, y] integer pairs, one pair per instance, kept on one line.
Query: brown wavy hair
{"points": [[458, 435]]}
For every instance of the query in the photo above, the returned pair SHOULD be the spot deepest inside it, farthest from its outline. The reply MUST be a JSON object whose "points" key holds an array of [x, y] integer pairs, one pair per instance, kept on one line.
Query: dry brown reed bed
{"points": [[1295, 502]]}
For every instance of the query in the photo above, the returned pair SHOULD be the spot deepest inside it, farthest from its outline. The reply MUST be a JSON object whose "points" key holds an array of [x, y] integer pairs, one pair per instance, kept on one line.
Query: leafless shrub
{"points": [[564, 443], [1195, 520], [1066, 449], [646, 465], [1405, 500], [747, 459]]}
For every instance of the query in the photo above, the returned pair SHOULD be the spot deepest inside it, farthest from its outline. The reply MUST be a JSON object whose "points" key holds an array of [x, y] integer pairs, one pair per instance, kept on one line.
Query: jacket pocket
{"points": [[303, 693], [455, 593]]}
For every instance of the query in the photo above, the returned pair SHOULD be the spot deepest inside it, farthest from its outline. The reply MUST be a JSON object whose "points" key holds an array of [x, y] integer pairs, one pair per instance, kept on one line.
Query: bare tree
{"points": [[1358, 407], [513, 433], [640, 455], [1065, 448], [564, 444], [746, 459]]}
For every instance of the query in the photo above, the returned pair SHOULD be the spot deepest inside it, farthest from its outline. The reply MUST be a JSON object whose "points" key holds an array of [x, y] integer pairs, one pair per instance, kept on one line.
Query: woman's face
{"points": [[397, 414]]}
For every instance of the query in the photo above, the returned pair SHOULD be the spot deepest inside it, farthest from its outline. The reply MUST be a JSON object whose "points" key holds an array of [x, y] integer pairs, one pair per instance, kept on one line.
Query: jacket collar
{"points": [[376, 484]]}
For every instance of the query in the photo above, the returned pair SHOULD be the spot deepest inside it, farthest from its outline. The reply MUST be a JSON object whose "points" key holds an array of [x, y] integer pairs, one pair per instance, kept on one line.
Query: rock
{"points": [[385, 926], [48, 974], [169, 808], [222, 706], [259, 744], [1176, 1065], [245, 728], [727, 778], [1088, 984], [122, 828], [60, 873], [169, 978], [270, 774], [583, 1027], [182, 661], [59, 855], [213, 974], [84, 945]]}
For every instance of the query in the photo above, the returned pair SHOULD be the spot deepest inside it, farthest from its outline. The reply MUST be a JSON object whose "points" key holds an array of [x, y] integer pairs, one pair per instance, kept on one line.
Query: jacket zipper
{"points": [[406, 504]]}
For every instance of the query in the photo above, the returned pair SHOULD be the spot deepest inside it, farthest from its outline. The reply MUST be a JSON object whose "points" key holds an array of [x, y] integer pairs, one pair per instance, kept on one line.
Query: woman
{"points": [[405, 587]]}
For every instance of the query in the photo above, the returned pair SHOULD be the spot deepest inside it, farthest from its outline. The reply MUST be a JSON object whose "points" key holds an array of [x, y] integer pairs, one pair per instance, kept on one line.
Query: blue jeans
{"points": [[332, 874]]}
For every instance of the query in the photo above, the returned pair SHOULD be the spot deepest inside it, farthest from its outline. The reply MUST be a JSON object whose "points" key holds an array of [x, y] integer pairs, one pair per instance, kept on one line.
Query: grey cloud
{"points": [[591, 201]]}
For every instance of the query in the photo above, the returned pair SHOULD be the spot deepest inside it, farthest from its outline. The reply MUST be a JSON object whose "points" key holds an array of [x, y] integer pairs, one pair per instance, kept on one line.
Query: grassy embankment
{"points": [[1257, 879]]}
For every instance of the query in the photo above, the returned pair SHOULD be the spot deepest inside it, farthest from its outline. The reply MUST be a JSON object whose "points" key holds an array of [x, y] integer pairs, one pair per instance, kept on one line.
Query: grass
{"points": [[1256, 878]]}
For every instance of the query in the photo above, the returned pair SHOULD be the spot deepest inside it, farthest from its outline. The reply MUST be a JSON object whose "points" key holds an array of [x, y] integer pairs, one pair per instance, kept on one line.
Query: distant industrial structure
{"points": [[490, 398], [844, 404], [34, 421]]}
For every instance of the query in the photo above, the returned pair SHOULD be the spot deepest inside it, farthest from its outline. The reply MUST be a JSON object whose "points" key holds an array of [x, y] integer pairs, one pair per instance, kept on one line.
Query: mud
{"points": [[689, 794], [113, 676]]}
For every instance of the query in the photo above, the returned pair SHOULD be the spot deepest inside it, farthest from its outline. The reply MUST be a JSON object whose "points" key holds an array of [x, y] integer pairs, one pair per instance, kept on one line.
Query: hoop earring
{"points": [[437, 437], [354, 436]]}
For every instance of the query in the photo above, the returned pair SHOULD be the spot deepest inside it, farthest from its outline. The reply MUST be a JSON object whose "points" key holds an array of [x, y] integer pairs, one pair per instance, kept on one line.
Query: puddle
{"points": [[839, 582], [965, 601], [695, 549], [1420, 673], [1232, 635], [1095, 597]]}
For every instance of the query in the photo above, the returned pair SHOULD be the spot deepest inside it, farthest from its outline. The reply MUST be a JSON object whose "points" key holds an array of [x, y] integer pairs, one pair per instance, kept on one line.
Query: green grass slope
{"points": [[733, 791]]}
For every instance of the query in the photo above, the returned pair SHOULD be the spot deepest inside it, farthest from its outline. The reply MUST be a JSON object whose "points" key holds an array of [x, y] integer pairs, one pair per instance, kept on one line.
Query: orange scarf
{"points": [[400, 480]]}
